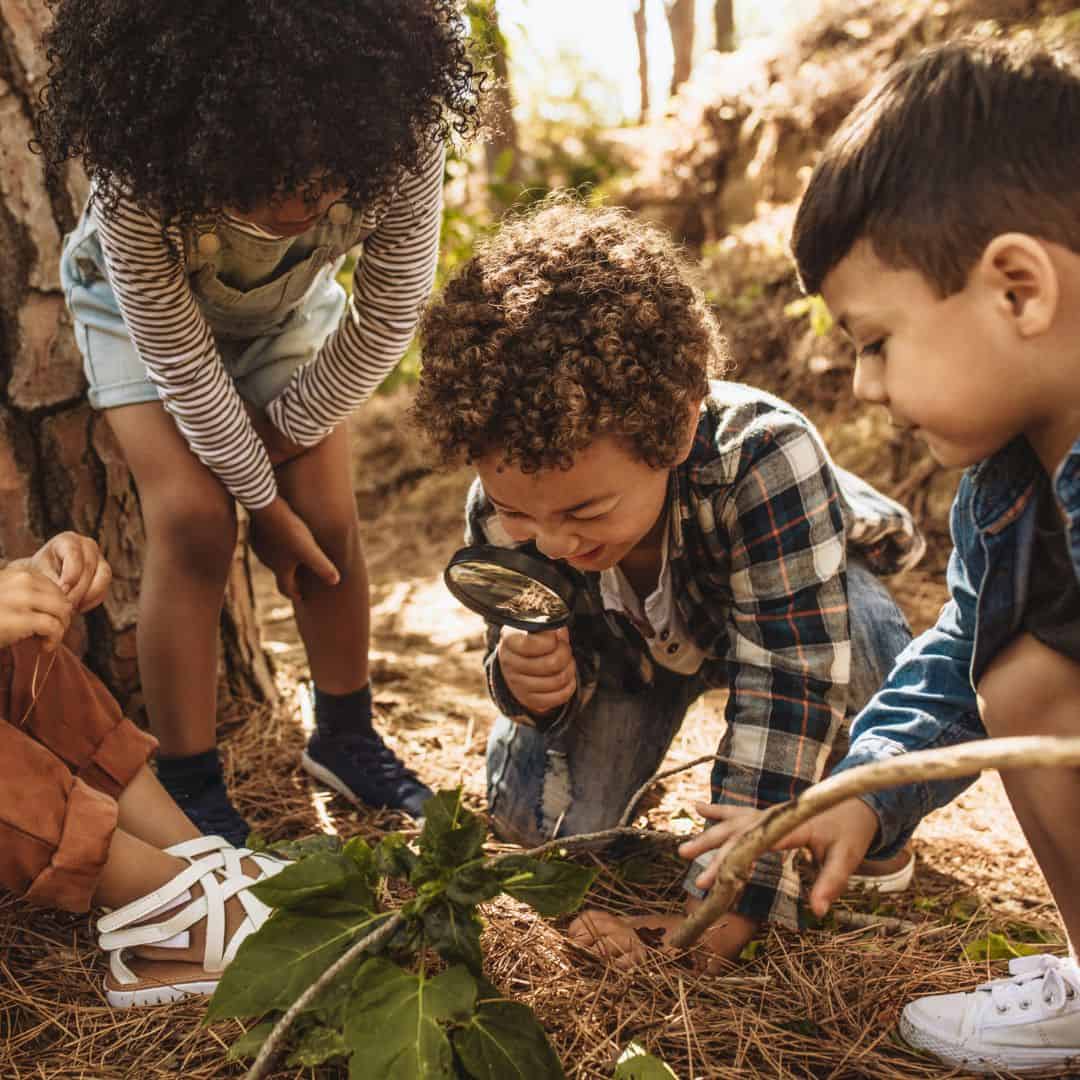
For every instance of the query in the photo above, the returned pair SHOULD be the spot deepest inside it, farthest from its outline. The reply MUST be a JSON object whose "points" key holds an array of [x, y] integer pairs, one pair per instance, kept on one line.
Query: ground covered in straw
{"points": [[819, 1004]]}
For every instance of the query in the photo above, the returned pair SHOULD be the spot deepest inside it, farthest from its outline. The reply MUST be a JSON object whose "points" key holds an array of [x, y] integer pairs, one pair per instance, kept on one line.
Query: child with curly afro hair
{"points": [[712, 541], [238, 151]]}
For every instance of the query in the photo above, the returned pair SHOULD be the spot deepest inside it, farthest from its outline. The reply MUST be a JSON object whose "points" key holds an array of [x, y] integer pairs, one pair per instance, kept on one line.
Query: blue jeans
{"points": [[619, 740]]}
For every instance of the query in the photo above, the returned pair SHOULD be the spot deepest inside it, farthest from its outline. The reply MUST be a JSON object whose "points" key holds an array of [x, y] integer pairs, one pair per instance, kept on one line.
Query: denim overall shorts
{"points": [[269, 302]]}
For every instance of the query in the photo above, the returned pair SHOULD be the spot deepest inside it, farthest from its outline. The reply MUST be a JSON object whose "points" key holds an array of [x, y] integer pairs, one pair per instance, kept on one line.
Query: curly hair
{"points": [[567, 324], [189, 108]]}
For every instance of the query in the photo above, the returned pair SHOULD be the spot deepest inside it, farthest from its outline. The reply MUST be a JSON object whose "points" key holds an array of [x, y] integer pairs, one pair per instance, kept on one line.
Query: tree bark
{"points": [[641, 27], [59, 466], [680, 17], [724, 23], [501, 151]]}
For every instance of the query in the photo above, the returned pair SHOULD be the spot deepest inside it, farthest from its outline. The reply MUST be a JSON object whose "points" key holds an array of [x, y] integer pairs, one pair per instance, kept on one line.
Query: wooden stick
{"points": [[947, 763]]}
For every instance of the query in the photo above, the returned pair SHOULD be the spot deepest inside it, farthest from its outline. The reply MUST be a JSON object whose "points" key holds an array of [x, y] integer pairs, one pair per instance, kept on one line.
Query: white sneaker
{"points": [[1028, 1023]]}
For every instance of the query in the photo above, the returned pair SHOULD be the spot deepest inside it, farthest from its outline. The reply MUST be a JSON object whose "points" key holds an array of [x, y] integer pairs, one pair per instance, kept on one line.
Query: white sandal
{"points": [[221, 876]]}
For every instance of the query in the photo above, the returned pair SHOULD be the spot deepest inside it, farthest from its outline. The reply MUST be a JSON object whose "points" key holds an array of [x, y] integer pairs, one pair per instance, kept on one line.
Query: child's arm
{"points": [[393, 281], [175, 343], [781, 522], [927, 702]]}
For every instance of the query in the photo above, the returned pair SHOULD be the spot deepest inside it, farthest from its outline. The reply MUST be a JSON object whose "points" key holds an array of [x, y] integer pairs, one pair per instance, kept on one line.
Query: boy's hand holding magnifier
{"points": [[532, 600]]}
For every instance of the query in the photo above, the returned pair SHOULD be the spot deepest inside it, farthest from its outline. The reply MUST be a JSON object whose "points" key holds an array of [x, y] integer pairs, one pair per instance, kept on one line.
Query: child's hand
{"points": [[74, 563], [838, 839], [32, 603], [619, 938], [539, 669], [281, 539]]}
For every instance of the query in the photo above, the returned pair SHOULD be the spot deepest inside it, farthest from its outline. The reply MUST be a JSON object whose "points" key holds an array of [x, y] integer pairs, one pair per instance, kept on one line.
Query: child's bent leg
{"points": [[334, 621], [1029, 689], [581, 780], [1029, 1022], [190, 538], [879, 633]]}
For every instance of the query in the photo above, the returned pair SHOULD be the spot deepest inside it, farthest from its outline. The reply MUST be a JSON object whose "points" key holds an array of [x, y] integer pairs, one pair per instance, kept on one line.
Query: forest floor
{"points": [[822, 1003]]}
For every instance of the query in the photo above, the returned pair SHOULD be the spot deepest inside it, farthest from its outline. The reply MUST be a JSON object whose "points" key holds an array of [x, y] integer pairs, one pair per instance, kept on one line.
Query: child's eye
{"points": [[508, 513], [590, 517], [873, 348]]}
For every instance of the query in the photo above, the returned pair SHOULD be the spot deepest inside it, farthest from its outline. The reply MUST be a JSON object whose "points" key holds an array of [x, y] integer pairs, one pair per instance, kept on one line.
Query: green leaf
{"points": [[282, 959], [362, 855], [964, 909], [998, 947], [451, 835], [250, 1043], [752, 948], [319, 844], [551, 888], [315, 875], [318, 1045], [393, 857], [635, 1064], [394, 1029], [454, 933], [473, 883], [504, 1041]]}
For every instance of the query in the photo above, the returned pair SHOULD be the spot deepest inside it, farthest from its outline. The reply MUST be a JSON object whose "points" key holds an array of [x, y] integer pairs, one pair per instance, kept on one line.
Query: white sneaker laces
{"points": [[1054, 980]]}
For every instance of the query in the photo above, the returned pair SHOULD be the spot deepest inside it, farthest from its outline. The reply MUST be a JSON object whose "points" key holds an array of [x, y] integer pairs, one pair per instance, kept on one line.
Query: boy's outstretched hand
{"points": [[539, 669], [284, 543], [838, 840], [39, 595]]}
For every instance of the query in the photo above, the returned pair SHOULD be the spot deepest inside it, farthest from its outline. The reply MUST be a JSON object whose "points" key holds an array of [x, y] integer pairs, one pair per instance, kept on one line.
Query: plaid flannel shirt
{"points": [[759, 521]]}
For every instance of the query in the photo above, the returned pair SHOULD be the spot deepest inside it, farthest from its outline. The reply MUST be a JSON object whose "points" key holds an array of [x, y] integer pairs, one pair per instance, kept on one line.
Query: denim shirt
{"points": [[929, 698]]}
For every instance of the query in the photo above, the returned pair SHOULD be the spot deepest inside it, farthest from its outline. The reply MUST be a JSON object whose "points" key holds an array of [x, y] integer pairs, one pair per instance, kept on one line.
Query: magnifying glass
{"points": [[511, 587]]}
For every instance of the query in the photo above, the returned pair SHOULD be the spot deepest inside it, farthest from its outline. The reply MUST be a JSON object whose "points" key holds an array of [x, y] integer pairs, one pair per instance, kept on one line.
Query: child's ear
{"points": [[1021, 275], [689, 431]]}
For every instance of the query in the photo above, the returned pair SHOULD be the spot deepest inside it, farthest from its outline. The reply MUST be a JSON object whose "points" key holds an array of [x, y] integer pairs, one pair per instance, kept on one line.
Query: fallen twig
{"points": [[964, 759]]}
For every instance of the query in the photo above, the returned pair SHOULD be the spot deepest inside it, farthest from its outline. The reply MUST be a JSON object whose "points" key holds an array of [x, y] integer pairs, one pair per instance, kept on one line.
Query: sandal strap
{"points": [[142, 907], [221, 877], [201, 845]]}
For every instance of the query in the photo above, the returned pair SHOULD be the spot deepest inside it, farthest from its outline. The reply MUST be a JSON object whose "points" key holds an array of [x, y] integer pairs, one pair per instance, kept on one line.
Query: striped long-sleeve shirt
{"points": [[148, 273]]}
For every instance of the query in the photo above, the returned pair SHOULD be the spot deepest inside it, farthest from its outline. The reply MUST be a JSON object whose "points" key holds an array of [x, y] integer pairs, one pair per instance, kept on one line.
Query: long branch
{"points": [[1021, 752], [261, 1065]]}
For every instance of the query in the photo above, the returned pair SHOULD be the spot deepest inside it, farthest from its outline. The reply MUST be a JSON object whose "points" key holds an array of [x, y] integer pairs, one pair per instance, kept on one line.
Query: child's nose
{"points": [[555, 542], [868, 384]]}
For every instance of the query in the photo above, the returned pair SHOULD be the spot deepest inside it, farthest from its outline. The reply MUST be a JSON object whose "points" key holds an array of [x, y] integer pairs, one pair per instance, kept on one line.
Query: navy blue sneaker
{"points": [[366, 771], [210, 810]]}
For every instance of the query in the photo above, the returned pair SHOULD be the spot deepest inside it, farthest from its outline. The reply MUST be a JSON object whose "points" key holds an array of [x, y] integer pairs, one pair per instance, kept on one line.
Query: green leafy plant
{"points": [[386, 1010]]}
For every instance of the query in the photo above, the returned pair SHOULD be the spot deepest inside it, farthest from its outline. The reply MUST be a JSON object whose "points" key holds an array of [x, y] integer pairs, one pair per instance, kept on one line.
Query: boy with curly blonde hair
{"points": [[703, 522]]}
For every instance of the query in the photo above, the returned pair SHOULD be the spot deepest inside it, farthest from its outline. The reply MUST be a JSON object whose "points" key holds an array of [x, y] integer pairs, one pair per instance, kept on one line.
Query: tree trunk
{"points": [[59, 466], [680, 17], [724, 22], [501, 152], [641, 33]]}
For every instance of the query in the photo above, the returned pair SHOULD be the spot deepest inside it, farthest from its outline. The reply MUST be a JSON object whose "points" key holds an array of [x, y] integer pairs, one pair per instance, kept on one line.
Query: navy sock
{"points": [[191, 773], [343, 714]]}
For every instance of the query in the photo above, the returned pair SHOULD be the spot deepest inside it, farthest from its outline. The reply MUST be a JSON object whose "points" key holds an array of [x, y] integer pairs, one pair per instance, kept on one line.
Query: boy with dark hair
{"points": [[942, 227], [703, 522]]}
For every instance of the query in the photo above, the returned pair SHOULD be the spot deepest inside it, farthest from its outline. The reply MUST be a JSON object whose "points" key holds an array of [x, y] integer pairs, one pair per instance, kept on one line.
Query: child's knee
{"points": [[1029, 689], [199, 535], [339, 538]]}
